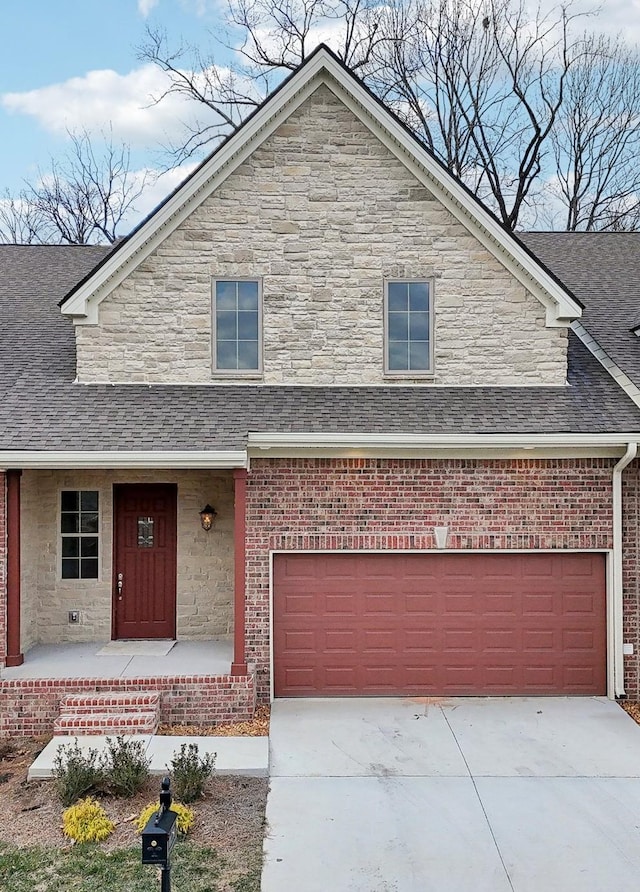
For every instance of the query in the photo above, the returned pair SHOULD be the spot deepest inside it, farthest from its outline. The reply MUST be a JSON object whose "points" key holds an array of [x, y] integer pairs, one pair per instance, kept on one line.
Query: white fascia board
{"points": [[264, 442], [560, 307], [77, 459]]}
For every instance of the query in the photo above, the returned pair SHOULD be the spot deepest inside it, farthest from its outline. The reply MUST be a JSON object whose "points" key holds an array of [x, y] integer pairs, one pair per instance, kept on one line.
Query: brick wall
{"points": [[3, 568], [630, 575], [395, 504], [30, 706], [323, 212]]}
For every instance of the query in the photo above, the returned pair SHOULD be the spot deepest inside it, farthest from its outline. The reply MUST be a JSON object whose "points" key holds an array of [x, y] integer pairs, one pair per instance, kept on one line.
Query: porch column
{"points": [[239, 665], [14, 655]]}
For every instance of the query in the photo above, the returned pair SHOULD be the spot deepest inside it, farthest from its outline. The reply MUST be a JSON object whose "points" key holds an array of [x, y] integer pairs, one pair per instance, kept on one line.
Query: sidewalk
{"points": [[247, 756]]}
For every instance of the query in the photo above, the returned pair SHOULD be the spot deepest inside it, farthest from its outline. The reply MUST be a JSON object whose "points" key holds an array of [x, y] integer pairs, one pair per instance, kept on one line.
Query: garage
{"points": [[454, 624]]}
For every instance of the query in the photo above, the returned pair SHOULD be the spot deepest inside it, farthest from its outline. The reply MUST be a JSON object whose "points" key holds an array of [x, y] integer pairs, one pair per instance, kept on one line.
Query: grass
{"points": [[86, 868]]}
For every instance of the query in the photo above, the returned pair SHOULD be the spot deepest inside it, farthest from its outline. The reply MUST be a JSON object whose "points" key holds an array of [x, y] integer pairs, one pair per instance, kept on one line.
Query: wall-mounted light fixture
{"points": [[207, 516]]}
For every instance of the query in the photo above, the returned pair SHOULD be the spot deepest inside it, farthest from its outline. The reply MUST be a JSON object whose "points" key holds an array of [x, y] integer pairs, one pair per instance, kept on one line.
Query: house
{"points": [[418, 433]]}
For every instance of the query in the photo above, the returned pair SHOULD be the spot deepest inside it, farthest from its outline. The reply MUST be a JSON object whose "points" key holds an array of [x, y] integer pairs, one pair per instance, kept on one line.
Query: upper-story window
{"points": [[408, 312], [237, 325]]}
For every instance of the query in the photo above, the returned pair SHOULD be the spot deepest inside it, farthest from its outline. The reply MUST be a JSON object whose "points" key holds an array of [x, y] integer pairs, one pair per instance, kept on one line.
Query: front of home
{"points": [[418, 438]]}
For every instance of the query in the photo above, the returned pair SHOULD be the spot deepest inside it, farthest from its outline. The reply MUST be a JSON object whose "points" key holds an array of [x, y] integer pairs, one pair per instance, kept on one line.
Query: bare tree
{"points": [[496, 91], [596, 140], [83, 199], [20, 222]]}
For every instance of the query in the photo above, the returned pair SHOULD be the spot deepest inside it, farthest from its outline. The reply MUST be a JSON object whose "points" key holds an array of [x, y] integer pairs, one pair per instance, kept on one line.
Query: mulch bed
{"points": [[230, 816], [258, 726]]}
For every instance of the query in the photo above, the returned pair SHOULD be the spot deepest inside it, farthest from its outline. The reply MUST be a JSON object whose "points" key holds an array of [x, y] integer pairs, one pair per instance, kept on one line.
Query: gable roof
{"points": [[323, 67], [44, 411], [604, 269]]}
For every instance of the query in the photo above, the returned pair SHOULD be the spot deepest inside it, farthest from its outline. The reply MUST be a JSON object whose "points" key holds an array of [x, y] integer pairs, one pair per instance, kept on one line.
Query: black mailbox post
{"points": [[159, 836]]}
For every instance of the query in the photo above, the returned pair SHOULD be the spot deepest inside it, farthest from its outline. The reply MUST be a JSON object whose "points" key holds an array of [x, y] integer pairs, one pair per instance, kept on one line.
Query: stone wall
{"points": [[394, 504], [322, 212], [205, 560]]}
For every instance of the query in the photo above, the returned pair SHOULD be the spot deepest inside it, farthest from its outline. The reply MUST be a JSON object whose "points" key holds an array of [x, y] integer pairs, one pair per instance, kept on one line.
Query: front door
{"points": [[144, 565]]}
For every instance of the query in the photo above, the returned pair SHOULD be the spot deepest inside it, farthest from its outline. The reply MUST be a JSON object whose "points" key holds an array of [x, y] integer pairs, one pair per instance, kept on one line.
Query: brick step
{"points": [[109, 703], [108, 723]]}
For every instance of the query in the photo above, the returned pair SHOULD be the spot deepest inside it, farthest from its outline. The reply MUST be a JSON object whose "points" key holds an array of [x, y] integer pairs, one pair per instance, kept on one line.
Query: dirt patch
{"points": [[258, 726], [229, 817]]}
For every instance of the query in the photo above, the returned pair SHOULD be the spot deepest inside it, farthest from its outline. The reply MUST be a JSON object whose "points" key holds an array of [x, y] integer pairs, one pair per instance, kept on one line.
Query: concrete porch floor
{"points": [[211, 657]]}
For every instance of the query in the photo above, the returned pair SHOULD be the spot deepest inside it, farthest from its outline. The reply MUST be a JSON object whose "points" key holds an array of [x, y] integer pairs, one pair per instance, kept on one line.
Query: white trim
{"points": [[632, 391], [267, 444], [322, 67], [617, 614], [609, 595], [76, 459]]}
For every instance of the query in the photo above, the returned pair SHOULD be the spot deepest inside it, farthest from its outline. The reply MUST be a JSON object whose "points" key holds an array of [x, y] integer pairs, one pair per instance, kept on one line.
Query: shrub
{"points": [[76, 772], [184, 821], [191, 771], [86, 821], [126, 766]]}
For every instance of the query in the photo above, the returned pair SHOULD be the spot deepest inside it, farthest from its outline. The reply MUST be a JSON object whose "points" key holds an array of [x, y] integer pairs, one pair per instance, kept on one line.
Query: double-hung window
{"points": [[408, 311], [237, 325]]}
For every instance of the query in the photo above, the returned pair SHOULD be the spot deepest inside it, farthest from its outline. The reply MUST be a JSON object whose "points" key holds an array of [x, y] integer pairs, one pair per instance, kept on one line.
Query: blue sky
{"points": [[72, 64]]}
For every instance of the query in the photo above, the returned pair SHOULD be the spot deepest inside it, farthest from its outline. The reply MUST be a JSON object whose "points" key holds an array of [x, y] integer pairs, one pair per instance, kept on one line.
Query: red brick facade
{"points": [[631, 576], [373, 504], [3, 568], [380, 504]]}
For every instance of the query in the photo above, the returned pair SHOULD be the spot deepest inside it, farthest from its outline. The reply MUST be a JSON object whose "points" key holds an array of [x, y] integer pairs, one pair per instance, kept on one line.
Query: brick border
{"points": [[30, 706]]}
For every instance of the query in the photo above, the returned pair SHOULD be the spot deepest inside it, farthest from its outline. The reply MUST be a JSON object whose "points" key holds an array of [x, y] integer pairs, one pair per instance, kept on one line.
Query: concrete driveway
{"points": [[468, 795]]}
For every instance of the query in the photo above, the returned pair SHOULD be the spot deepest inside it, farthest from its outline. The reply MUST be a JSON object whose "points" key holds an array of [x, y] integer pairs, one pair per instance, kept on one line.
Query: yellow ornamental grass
{"points": [[86, 821], [184, 820]]}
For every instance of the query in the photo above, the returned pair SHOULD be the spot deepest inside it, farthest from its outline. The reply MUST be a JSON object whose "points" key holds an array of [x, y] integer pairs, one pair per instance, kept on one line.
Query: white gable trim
{"points": [[323, 68], [606, 362]]}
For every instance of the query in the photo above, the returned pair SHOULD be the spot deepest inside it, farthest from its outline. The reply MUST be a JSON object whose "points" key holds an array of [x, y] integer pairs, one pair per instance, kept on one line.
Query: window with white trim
{"points": [[237, 323], [79, 533], [408, 324]]}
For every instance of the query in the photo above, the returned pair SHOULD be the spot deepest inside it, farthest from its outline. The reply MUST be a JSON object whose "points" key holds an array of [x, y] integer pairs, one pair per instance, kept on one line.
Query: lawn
{"points": [[87, 868]]}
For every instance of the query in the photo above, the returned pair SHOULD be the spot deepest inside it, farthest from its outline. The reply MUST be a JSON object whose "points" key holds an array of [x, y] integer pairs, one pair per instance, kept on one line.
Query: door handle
{"points": [[119, 585]]}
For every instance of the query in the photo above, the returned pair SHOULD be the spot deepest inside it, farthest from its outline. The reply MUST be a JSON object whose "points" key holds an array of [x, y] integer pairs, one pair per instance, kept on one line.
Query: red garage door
{"points": [[439, 624]]}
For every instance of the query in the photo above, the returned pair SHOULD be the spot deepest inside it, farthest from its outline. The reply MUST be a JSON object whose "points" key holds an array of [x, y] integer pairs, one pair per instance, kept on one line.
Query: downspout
{"points": [[616, 685]]}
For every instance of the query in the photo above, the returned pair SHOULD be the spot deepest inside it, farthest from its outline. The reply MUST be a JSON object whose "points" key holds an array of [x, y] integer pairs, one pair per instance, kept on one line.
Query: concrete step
{"points": [[110, 703], [108, 723]]}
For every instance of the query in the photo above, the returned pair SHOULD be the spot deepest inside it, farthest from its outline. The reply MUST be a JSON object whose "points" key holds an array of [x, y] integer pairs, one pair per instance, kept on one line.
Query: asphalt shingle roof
{"points": [[603, 269], [41, 407]]}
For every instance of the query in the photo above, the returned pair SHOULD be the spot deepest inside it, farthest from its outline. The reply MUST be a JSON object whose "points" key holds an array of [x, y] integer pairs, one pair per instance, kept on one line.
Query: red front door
{"points": [[144, 565]]}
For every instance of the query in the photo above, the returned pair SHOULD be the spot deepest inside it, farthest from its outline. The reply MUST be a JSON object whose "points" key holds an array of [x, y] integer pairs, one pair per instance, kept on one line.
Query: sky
{"points": [[70, 65]]}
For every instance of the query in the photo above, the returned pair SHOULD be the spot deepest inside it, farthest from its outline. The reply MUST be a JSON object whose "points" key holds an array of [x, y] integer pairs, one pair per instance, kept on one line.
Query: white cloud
{"points": [[159, 186], [99, 99], [145, 6]]}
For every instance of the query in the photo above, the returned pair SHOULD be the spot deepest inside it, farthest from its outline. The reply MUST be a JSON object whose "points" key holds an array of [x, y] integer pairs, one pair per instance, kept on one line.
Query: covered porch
{"points": [[87, 660]]}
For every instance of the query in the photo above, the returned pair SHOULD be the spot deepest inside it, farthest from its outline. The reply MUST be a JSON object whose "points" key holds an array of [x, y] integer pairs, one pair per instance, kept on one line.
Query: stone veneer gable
{"points": [[322, 212]]}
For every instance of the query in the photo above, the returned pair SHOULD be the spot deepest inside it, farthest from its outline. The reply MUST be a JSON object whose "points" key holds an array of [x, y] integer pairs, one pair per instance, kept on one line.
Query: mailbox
{"points": [[159, 836]]}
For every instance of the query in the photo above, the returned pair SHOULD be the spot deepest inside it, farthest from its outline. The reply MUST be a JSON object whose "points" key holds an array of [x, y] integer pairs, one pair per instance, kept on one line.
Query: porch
{"points": [[84, 660], [192, 684]]}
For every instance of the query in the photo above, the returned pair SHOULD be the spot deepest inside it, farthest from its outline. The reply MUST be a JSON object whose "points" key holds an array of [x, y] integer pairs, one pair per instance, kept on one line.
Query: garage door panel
{"points": [[439, 624]]}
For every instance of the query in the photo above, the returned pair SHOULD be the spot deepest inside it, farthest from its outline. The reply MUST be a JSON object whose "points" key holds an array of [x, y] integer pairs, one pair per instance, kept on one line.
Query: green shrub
{"points": [[76, 772], [86, 821], [190, 772], [184, 821], [126, 766]]}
